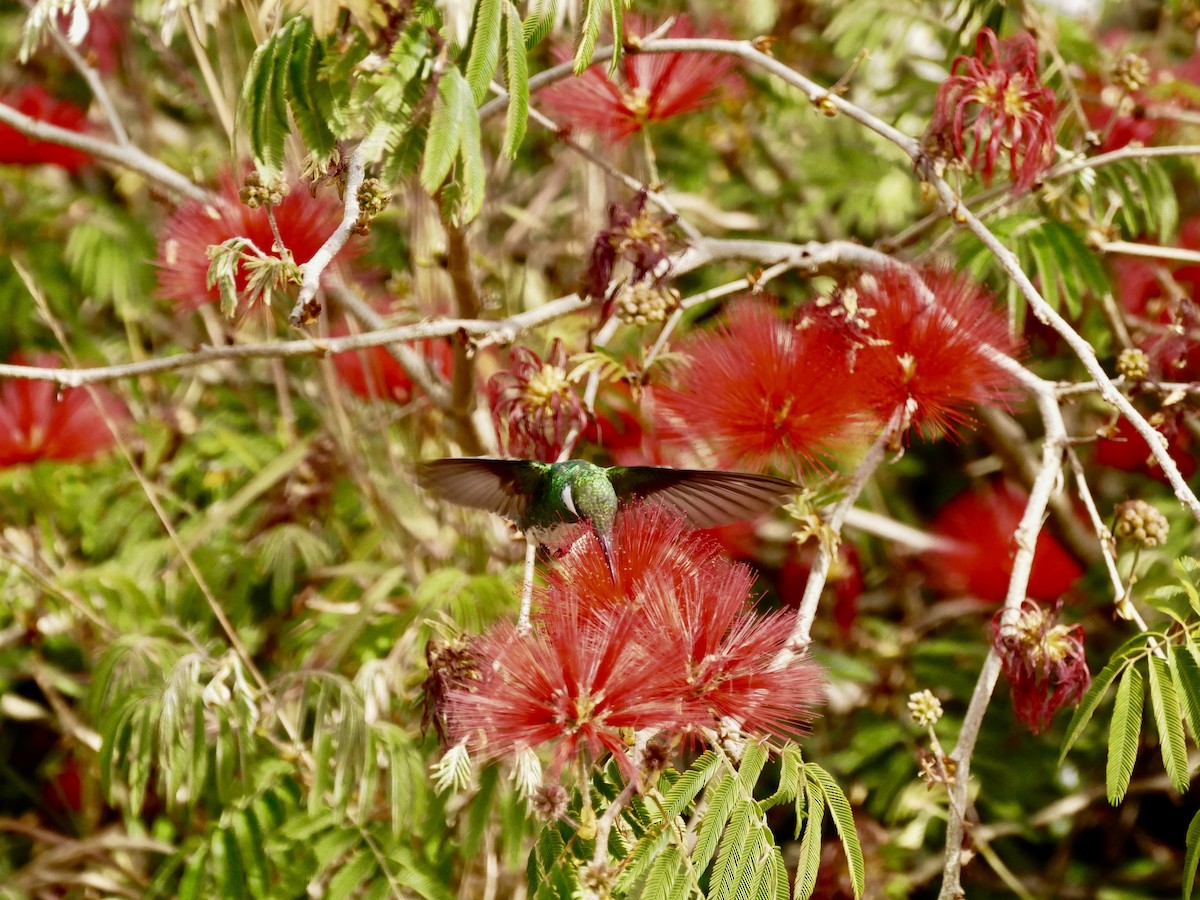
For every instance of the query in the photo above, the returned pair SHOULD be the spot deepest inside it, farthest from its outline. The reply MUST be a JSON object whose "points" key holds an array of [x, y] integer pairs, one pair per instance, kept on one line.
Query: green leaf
{"points": [[474, 173], [720, 807], [1185, 669], [751, 766], [1123, 734], [809, 863], [485, 47], [1164, 702], [251, 845], [691, 783], [734, 856], [539, 23], [791, 765], [227, 865], [1095, 693], [351, 876], [517, 69], [446, 129], [589, 32], [668, 870], [843, 821], [618, 36], [1191, 856]]}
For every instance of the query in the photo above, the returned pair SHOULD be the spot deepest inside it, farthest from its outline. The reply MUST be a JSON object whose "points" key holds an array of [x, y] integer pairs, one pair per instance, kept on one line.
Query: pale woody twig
{"points": [[315, 267], [127, 156]]}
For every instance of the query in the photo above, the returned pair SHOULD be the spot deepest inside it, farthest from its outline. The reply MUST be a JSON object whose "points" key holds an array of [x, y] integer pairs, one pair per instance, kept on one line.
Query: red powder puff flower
{"points": [[980, 524], [925, 347], [40, 420], [373, 373], [574, 683], [33, 101], [1126, 450], [534, 405], [1043, 661], [692, 610], [653, 550], [304, 224], [757, 392], [995, 95], [656, 86]]}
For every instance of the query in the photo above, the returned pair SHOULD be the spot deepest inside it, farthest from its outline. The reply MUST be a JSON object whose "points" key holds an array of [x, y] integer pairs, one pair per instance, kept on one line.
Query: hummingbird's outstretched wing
{"points": [[503, 486], [707, 498]]}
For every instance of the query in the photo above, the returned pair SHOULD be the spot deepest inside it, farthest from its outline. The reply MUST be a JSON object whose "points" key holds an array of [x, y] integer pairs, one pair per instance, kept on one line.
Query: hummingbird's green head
{"points": [[588, 494]]}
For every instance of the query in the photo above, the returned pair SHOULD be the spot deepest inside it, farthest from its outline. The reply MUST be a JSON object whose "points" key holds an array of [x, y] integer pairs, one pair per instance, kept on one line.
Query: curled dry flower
{"points": [[39, 420], [924, 346], [19, 150], [654, 87], [637, 235], [183, 262], [995, 97], [1044, 662], [534, 405], [758, 392]]}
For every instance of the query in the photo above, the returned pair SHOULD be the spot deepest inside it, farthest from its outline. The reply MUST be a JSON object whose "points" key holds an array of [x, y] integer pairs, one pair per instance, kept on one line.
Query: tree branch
{"points": [[126, 156]]}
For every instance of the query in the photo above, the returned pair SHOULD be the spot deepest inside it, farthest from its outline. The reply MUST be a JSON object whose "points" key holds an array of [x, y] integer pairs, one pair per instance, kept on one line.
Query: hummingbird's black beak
{"points": [[606, 546]]}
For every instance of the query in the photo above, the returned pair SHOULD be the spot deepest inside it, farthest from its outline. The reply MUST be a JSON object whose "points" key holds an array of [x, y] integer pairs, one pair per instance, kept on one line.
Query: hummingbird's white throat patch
{"points": [[569, 501]]}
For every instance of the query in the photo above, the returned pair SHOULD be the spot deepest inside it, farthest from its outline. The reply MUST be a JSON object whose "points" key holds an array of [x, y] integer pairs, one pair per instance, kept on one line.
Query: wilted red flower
{"points": [[534, 405], [35, 102], [304, 224], [634, 233], [925, 346], [656, 86], [41, 420], [980, 523], [574, 683], [757, 391], [1043, 661], [996, 96], [373, 373]]}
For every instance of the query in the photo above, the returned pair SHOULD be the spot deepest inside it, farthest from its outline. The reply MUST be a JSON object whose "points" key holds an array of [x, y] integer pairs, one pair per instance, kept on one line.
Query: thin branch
{"points": [[827, 543], [91, 76], [312, 270], [126, 156], [414, 365], [1053, 446], [1154, 251], [466, 296]]}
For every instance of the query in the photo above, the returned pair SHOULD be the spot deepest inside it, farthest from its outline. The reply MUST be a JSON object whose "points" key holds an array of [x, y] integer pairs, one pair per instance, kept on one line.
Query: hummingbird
{"points": [[540, 497]]}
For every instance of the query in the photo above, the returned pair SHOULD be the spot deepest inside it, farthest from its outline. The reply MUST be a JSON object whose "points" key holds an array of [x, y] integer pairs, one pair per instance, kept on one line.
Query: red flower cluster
{"points": [[534, 406], [657, 86], [1043, 661], [925, 347], [33, 101], [980, 524], [758, 392], [304, 223], [996, 97], [40, 420], [673, 647]]}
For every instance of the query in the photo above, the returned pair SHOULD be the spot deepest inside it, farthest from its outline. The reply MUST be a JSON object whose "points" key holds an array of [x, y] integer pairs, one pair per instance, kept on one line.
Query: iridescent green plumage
{"points": [[540, 496]]}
